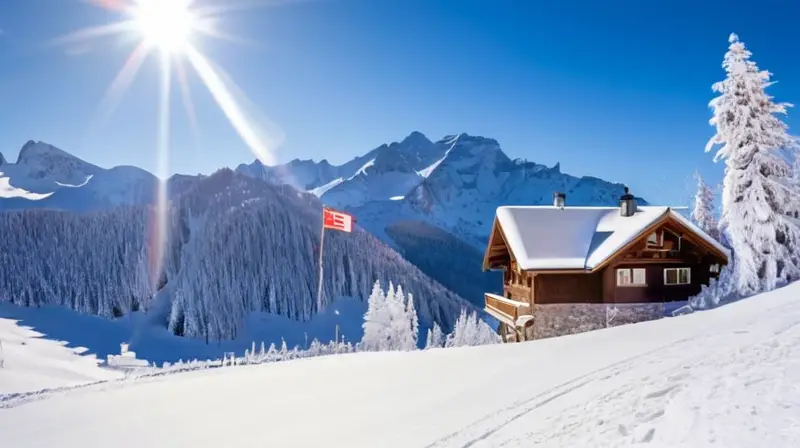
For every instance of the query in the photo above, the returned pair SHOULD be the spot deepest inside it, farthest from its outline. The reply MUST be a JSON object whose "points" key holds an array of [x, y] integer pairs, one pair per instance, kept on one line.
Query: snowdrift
{"points": [[31, 362], [725, 377]]}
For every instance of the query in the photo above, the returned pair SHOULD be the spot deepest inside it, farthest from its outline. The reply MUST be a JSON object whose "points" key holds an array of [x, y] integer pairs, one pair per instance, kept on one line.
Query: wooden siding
{"points": [[516, 286], [656, 290], [675, 246], [568, 288]]}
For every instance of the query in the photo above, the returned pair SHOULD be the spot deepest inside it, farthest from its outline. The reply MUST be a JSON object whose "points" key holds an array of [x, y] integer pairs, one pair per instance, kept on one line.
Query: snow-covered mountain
{"points": [[236, 246], [462, 191], [46, 177], [455, 183], [452, 186], [386, 172]]}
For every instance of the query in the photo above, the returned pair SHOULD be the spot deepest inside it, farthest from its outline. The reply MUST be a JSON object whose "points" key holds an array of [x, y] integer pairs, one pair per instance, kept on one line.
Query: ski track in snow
{"points": [[727, 377], [663, 398]]}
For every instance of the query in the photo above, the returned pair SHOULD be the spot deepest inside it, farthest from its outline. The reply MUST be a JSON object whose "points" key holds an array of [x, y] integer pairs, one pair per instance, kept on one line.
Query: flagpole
{"points": [[321, 248]]}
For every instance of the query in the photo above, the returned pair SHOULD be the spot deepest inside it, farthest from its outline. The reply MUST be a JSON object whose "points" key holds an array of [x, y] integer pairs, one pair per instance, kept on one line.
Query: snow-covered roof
{"points": [[547, 237]]}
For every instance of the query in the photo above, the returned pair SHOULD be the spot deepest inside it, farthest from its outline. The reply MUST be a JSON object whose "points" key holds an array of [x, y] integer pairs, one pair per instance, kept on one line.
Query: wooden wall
{"points": [[516, 286], [568, 288], [655, 290], [601, 287]]}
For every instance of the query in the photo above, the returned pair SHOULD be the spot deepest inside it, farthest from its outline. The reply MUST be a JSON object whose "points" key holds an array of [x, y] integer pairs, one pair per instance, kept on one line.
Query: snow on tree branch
{"points": [[752, 141]]}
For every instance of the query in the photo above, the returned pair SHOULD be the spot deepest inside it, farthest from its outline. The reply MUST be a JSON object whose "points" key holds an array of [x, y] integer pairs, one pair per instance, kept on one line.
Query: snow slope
{"points": [[152, 341], [726, 377], [32, 362]]}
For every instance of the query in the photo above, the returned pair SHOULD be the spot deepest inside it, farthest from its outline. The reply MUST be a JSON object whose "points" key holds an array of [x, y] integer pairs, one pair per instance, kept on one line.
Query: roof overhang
{"points": [[498, 239]]}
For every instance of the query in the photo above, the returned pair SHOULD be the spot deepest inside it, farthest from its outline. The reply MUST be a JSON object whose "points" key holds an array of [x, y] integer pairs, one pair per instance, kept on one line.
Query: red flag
{"points": [[337, 220]]}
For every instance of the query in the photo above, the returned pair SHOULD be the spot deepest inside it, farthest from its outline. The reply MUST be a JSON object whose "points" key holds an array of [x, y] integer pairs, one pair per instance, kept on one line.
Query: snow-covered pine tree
{"points": [[401, 336], [703, 212], [376, 321], [471, 330], [456, 337], [756, 195], [435, 338], [413, 323]]}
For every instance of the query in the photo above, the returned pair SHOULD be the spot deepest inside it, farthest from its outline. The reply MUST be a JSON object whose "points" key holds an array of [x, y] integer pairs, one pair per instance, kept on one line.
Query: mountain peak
{"points": [[2, 159], [32, 150], [416, 137]]}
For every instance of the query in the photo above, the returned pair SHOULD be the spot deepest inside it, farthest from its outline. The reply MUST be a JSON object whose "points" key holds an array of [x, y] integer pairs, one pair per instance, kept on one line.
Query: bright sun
{"points": [[165, 24]]}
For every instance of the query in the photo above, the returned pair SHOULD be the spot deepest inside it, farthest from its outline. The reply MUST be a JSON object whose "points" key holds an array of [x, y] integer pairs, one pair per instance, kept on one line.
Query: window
{"points": [[631, 277], [639, 277], [655, 239], [677, 276], [714, 268]]}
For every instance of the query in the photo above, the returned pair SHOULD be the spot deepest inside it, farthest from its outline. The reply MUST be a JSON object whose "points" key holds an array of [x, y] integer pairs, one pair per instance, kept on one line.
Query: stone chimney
{"points": [[559, 199], [627, 204]]}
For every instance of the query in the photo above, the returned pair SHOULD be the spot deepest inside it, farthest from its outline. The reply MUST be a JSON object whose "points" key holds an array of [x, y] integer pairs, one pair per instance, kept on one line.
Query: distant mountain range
{"points": [[422, 198], [456, 184]]}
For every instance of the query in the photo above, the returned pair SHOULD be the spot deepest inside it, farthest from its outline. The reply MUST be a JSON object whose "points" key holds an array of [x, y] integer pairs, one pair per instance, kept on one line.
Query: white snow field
{"points": [[31, 362], [728, 377]]}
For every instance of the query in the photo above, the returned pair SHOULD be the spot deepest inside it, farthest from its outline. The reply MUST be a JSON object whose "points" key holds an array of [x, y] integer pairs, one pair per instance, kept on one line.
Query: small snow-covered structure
{"points": [[563, 265], [126, 358]]}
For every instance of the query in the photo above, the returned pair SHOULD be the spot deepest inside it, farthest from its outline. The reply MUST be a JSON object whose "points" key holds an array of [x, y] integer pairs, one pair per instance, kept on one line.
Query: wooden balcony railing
{"points": [[506, 309]]}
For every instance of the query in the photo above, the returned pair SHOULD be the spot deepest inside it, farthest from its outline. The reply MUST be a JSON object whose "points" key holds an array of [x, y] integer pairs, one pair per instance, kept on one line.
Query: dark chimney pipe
{"points": [[559, 199], [627, 204]]}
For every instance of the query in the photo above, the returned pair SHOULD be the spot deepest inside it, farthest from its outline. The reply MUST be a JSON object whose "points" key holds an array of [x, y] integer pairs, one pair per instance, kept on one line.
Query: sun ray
{"points": [[162, 167], [207, 28], [170, 28], [116, 90], [225, 100], [85, 34]]}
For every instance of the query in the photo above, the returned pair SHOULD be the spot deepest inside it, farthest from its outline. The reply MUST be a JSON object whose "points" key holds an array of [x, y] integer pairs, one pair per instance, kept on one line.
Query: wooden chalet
{"points": [[594, 255]]}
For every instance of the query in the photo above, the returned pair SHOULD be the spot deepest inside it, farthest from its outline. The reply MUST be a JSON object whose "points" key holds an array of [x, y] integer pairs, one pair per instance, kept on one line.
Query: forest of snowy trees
{"points": [[761, 190], [390, 323], [455, 263], [236, 245]]}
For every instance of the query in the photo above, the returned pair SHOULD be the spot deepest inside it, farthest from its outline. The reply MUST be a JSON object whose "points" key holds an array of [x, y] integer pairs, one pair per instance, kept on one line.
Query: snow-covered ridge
{"points": [[387, 171], [47, 177]]}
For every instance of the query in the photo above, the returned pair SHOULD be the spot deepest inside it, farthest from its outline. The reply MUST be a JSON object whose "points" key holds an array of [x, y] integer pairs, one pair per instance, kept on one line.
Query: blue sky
{"points": [[614, 89]]}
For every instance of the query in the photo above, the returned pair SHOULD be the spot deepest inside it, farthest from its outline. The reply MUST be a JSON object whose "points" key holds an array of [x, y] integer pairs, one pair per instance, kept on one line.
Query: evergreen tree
{"points": [[435, 338], [703, 213], [470, 330], [376, 321], [413, 324], [756, 190]]}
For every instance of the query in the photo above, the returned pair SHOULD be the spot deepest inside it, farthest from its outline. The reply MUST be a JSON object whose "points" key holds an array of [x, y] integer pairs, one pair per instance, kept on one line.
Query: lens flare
{"points": [[169, 28], [166, 25]]}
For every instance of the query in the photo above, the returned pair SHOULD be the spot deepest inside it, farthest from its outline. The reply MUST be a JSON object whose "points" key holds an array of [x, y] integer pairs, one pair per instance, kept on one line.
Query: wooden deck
{"points": [[506, 310]]}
